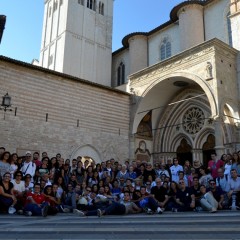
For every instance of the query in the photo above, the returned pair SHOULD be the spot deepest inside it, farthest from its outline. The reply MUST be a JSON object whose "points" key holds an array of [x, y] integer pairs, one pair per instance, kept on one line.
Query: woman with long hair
{"points": [[4, 163], [13, 164], [7, 197]]}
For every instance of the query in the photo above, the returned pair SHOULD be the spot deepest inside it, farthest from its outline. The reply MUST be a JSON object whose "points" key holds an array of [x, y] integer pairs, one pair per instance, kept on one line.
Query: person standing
{"points": [[28, 167], [4, 164], [214, 164], [175, 169]]}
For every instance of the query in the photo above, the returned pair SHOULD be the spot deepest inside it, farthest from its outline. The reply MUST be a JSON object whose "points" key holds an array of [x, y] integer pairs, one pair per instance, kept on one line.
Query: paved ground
{"points": [[220, 225]]}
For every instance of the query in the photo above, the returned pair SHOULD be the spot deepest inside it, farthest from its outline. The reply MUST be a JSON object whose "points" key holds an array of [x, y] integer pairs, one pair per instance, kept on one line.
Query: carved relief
{"points": [[209, 71], [142, 153]]}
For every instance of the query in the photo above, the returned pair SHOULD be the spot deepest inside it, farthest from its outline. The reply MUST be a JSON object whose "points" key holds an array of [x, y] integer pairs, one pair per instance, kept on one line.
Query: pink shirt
{"points": [[214, 166]]}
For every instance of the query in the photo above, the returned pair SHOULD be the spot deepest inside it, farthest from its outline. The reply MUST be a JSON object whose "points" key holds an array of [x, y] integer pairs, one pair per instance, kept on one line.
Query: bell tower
{"points": [[235, 23], [77, 38]]}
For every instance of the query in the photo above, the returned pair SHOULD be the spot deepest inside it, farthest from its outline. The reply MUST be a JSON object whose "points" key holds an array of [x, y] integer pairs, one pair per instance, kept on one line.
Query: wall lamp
{"points": [[6, 104]]}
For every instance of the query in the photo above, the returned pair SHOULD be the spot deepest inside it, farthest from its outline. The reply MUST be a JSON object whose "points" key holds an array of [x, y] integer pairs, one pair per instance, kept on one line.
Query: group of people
{"points": [[48, 186]]}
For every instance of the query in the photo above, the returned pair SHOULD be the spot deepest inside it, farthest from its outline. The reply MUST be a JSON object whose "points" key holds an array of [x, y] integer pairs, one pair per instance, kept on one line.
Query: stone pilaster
{"points": [[219, 148]]}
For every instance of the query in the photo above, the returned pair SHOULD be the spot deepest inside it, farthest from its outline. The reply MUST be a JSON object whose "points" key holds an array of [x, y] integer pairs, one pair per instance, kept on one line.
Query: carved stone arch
{"points": [[193, 77], [188, 76], [232, 108], [177, 140], [202, 137], [208, 148], [173, 116], [87, 151]]}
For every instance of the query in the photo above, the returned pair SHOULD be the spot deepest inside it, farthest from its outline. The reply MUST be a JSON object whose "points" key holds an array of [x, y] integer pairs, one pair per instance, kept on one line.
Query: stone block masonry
{"points": [[59, 113]]}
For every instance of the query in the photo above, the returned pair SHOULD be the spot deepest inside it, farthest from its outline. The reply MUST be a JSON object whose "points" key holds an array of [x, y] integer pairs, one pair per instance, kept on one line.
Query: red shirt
{"points": [[39, 198]]}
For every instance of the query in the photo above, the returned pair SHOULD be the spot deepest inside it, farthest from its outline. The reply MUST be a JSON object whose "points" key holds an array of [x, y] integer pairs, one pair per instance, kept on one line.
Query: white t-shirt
{"points": [[227, 170], [174, 171], [18, 186]]}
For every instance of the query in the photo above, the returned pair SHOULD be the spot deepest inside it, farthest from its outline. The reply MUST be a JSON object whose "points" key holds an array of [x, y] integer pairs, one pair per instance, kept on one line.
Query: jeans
{"points": [[149, 202], [208, 202], [35, 209], [71, 200], [113, 209]]}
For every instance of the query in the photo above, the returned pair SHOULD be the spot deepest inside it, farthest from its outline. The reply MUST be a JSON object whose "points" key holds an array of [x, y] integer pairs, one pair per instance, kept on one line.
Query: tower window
{"points": [[165, 49], [91, 4], [101, 8], [61, 2], [121, 74]]}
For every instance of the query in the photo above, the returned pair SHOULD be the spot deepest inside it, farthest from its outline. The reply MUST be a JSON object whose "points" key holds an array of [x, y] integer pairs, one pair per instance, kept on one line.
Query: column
{"points": [[219, 148]]}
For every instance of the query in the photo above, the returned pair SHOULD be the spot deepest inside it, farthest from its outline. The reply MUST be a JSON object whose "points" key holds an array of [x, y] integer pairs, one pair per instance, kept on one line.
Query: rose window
{"points": [[193, 120]]}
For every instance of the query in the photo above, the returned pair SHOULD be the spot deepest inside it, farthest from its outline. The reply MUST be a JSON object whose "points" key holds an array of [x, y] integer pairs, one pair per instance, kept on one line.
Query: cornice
{"points": [[196, 52]]}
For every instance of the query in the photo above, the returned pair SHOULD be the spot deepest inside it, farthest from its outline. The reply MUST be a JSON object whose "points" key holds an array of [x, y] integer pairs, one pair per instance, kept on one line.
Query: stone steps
{"points": [[221, 225]]}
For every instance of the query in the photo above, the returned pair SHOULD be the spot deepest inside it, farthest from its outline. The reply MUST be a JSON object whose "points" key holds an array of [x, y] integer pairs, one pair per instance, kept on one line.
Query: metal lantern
{"points": [[6, 100]]}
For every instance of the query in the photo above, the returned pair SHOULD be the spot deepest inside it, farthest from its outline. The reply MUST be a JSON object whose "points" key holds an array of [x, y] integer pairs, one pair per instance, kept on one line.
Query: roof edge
{"points": [[59, 74]]}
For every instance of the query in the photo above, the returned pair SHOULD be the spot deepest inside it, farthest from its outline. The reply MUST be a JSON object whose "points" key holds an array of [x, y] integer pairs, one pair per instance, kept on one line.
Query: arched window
{"points": [[121, 74], [165, 49], [101, 8], [229, 27], [91, 4]]}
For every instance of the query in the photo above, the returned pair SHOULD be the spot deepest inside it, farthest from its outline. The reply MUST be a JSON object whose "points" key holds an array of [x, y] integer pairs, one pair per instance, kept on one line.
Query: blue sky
{"points": [[22, 35]]}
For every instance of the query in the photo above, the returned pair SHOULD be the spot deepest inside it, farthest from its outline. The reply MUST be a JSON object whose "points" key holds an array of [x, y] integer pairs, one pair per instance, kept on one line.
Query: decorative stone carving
{"points": [[193, 120], [142, 153], [209, 71]]}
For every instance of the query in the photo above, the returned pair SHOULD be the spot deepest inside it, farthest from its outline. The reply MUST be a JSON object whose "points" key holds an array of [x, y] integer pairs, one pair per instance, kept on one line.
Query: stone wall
{"points": [[59, 113]]}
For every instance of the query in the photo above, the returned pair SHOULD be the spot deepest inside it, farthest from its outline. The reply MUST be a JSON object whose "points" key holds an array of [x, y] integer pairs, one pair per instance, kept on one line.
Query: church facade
{"points": [[172, 91], [184, 77]]}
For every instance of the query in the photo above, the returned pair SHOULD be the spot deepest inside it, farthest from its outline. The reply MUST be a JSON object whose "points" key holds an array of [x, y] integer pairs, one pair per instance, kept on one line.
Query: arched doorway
{"points": [[208, 149], [88, 161], [184, 152], [88, 153]]}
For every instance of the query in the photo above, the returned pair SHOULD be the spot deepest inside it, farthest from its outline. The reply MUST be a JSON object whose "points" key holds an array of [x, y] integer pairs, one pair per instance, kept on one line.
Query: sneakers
{"points": [[66, 210], [149, 211], [99, 213], [45, 211], [28, 213], [159, 210], [11, 210], [78, 212], [213, 210]]}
